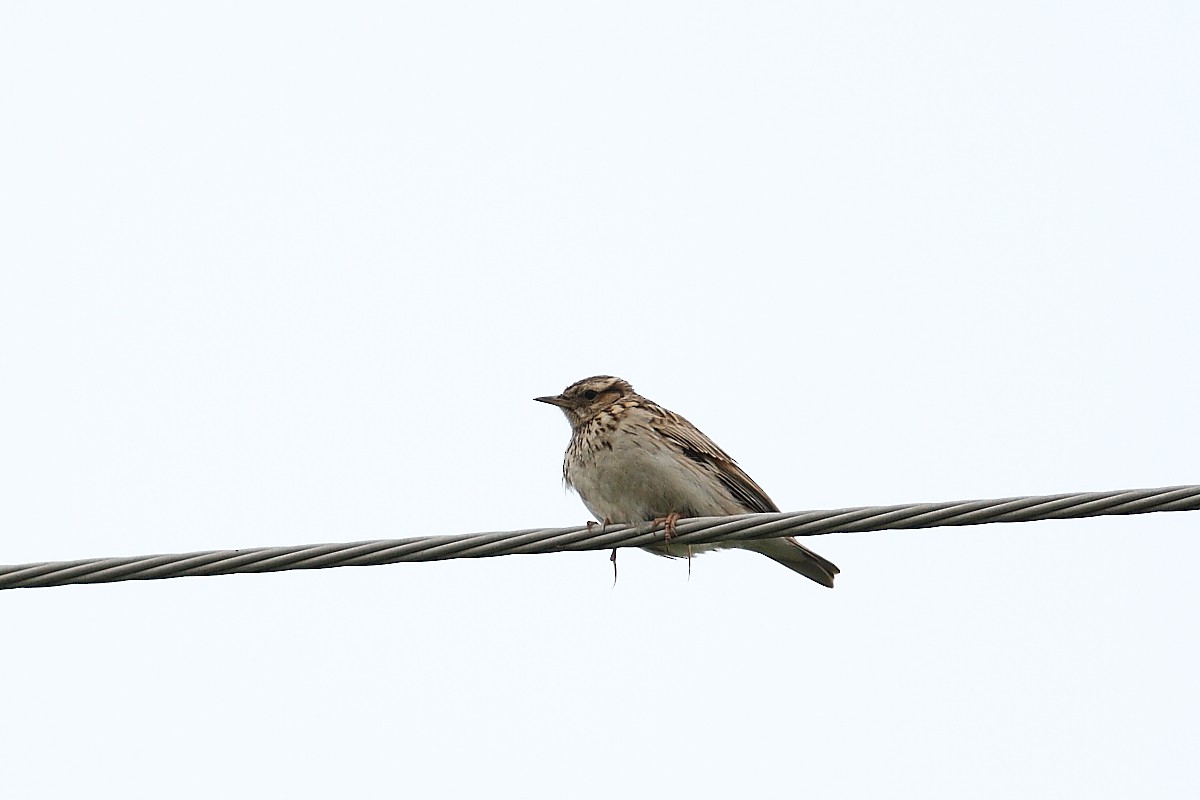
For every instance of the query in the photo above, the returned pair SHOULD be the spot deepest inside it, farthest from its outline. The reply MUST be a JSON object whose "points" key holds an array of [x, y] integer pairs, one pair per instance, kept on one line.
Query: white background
{"points": [[282, 273]]}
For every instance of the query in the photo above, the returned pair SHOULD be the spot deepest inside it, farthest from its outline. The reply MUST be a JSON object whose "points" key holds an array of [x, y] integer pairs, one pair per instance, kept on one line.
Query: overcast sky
{"points": [[276, 274]]}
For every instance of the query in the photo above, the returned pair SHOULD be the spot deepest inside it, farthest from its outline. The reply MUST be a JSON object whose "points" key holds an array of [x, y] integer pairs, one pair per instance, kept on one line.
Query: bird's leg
{"points": [[591, 523], [613, 557], [668, 523]]}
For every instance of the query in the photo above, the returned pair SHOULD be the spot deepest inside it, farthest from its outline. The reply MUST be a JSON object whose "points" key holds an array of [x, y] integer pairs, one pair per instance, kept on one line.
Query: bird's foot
{"points": [[613, 557], [591, 523], [668, 523]]}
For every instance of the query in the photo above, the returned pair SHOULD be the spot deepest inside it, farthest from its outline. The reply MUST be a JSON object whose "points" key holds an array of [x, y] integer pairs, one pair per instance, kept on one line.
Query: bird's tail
{"points": [[796, 557]]}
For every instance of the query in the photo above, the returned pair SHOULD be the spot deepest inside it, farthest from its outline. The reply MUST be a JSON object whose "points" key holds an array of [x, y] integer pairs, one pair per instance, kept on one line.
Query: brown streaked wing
{"points": [[698, 447]]}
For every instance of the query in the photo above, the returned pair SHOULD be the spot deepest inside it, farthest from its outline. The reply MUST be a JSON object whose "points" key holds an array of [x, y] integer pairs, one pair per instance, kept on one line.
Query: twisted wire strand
{"points": [[699, 530]]}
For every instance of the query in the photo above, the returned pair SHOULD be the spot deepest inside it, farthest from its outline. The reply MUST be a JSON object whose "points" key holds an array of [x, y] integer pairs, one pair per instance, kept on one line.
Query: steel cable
{"points": [[595, 537]]}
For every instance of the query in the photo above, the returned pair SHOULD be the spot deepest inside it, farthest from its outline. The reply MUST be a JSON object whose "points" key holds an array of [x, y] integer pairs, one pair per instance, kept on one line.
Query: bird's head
{"points": [[584, 399]]}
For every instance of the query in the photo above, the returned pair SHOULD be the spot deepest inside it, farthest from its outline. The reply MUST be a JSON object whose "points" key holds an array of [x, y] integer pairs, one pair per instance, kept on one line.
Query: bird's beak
{"points": [[554, 400]]}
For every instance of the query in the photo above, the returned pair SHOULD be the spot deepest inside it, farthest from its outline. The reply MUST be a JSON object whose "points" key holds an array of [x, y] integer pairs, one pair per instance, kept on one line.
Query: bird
{"points": [[632, 461]]}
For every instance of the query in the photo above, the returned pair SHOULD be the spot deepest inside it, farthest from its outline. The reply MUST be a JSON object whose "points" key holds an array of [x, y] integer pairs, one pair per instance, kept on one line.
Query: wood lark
{"points": [[631, 461]]}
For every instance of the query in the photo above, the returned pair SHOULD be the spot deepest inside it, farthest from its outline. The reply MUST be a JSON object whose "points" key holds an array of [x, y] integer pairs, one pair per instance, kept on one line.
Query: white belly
{"points": [[639, 479]]}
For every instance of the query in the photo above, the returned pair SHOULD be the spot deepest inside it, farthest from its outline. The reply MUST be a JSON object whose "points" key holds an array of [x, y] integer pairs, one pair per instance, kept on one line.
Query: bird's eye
{"points": [[590, 394]]}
